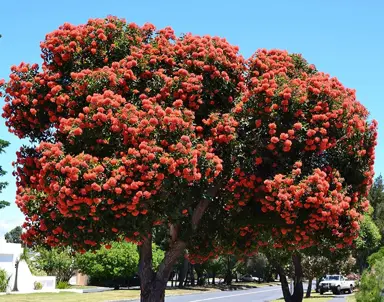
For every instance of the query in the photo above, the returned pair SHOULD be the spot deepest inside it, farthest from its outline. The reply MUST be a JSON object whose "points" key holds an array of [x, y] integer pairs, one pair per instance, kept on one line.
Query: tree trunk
{"points": [[153, 293], [309, 289], [228, 278], [152, 285], [15, 289], [192, 275], [284, 285], [172, 277], [200, 275], [213, 278], [298, 290], [183, 273]]}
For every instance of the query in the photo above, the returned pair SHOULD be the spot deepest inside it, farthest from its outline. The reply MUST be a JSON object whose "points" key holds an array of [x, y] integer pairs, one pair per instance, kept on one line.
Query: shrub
{"points": [[62, 285], [372, 284], [4, 279], [55, 262], [38, 285], [114, 266]]}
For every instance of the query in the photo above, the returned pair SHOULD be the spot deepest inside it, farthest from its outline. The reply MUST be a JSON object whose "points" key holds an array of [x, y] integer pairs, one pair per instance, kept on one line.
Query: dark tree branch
{"points": [[203, 205]]}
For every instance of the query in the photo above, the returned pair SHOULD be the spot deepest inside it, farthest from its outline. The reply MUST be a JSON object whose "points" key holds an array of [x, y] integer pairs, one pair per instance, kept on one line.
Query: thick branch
{"points": [[177, 246], [203, 205], [170, 258]]}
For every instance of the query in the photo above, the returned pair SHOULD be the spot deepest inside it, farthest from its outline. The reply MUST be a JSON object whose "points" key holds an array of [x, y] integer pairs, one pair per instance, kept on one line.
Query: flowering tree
{"points": [[137, 129]]}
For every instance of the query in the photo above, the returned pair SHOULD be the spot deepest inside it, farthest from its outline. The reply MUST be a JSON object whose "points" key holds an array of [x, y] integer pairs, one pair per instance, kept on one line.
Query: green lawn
{"points": [[351, 298], [315, 297], [103, 296], [255, 284]]}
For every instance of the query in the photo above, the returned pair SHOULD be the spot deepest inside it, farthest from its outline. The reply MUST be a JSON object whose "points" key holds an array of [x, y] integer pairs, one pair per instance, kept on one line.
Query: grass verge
{"points": [[315, 297]]}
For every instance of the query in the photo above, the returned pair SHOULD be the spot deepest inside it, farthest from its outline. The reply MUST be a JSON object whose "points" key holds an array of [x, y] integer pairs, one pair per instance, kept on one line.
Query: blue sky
{"points": [[342, 38]]}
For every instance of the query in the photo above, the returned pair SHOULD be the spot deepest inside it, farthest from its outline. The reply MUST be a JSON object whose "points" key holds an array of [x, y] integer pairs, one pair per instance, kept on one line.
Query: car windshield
{"points": [[332, 278]]}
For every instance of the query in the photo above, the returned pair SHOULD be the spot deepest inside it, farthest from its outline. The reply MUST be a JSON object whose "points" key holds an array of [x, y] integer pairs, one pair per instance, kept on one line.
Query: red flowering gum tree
{"points": [[137, 129]]}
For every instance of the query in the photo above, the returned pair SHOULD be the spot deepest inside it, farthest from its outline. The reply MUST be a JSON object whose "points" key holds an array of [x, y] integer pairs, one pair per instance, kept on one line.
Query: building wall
{"points": [[9, 254]]}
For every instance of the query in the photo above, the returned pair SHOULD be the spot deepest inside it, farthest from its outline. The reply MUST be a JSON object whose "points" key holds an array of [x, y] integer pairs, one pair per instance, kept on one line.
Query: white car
{"points": [[249, 278], [336, 284]]}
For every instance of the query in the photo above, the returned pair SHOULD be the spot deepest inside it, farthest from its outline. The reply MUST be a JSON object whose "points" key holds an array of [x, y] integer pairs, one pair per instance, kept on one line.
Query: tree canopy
{"points": [[14, 235], [372, 281], [59, 262], [376, 198], [137, 128]]}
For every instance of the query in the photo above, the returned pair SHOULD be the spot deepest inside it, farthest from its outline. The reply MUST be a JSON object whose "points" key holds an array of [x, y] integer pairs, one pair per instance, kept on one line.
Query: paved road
{"points": [[250, 295], [339, 298], [262, 294]]}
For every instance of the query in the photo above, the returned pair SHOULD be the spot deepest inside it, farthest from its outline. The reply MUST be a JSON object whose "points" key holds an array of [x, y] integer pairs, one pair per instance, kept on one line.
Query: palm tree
{"points": [[24, 256]]}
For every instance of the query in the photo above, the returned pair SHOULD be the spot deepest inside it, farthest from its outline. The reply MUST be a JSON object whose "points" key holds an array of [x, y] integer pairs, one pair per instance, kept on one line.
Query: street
{"points": [[252, 295]]}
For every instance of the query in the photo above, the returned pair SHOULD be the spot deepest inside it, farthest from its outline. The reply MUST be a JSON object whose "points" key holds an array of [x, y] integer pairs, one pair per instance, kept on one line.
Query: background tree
{"points": [[14, 235], [258, 266], [3, 145], [314, 267], [214, 268], [368, 241], [372, 281], [136, 128], [255, 265], [59, 262], [376, 198], [115, 264]]}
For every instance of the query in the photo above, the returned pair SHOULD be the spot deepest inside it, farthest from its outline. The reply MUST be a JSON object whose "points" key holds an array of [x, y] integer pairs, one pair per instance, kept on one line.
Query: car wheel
{"points": [[338, 290], [321, 292]]}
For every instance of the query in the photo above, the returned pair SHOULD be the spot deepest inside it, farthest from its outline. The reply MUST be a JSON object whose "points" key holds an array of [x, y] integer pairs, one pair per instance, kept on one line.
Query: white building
{"points": [[9, 254]]}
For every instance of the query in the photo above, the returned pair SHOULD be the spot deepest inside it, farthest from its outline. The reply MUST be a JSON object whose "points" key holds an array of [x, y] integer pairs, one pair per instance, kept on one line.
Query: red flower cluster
{"points": [[136, 126]]}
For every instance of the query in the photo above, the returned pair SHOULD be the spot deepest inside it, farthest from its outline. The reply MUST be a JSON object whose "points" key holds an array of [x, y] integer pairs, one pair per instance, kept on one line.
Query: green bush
{"points": [[4, 279], [115, 266], [372, 282], [38, 285], [58, 262], [62, 285]]}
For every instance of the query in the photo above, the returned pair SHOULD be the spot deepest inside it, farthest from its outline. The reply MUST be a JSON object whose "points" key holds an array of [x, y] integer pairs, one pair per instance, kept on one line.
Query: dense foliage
{"points": [[59, 262], [372, 282], [137, 128], [376, 198], [115, 263], [368, 241], [4, 280], [14, 235]]}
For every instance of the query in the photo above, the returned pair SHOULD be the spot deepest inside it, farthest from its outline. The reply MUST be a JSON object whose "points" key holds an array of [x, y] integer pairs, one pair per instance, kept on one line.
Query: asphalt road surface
{"points": [[262, 294], [250, 295]]}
